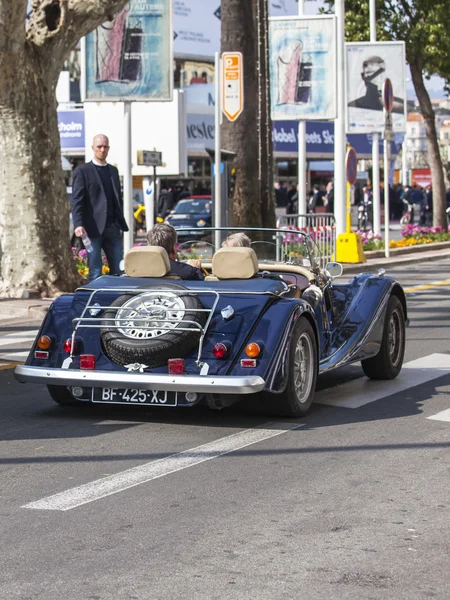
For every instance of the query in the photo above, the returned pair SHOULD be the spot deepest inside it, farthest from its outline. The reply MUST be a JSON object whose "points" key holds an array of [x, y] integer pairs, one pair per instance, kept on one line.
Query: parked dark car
{"points": [[195, 212]]}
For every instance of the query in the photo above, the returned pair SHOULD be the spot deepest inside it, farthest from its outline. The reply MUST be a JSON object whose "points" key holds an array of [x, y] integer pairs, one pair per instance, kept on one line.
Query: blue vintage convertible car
{"points": [[267, 320]]}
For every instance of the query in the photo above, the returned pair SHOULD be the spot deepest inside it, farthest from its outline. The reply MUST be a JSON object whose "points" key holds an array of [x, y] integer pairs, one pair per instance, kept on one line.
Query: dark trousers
{"points": [[111, 243]]}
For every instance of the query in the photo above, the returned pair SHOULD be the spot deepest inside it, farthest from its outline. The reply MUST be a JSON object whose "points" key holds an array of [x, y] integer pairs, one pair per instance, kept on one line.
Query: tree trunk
{"points": [[35, 247], [34, 218], [244, 29], [434, 155]]}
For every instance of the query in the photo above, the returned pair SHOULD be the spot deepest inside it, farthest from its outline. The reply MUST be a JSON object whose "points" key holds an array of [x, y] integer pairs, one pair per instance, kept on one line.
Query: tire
{"points": [[295, 402], [131, 343], [388, 362], [62, 396]]}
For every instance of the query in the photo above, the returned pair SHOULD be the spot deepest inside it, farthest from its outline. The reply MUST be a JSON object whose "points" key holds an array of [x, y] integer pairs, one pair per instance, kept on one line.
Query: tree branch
{"points": [[12, 25], [55, 26], [70, 19]]}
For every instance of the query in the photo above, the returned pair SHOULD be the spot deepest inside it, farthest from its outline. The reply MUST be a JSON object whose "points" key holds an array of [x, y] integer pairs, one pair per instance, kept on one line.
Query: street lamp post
{"points": [[375, 142], [340, 144]]}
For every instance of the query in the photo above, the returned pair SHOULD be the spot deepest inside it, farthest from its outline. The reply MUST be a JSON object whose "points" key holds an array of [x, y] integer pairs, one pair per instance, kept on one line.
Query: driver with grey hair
{"points": [[165, 236]]}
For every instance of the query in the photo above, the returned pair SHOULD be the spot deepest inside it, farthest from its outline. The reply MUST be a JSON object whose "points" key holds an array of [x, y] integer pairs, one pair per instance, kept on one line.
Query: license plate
{"points": [[132, 396]]}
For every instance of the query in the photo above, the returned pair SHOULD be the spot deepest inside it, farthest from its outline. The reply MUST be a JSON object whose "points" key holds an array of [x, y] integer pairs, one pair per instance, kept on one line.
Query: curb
{"points": [[380, 262], [13, 309]]}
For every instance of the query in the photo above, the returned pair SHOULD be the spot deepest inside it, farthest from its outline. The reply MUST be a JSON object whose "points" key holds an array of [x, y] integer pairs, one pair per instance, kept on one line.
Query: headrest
{"points": [[235, 263], [147, 261]]}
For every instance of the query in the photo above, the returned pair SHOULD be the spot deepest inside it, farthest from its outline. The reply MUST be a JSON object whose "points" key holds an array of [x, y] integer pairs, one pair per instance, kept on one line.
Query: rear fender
{"points": [[274, 333]]}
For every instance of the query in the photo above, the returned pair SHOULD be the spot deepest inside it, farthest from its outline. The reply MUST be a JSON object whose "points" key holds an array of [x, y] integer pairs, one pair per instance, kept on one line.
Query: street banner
{"points": [[302, 56], [130, 57], [196, 28], [71, 130], [368, 65], [289, 8]]}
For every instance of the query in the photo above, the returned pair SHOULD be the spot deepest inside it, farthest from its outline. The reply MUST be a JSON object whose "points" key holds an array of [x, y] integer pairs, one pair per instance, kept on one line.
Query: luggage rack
{"points": [[90, 320], [96, 322]]}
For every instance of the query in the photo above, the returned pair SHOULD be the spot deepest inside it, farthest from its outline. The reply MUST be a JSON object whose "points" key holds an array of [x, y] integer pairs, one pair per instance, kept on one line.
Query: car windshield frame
{"points": [[271, 245]]}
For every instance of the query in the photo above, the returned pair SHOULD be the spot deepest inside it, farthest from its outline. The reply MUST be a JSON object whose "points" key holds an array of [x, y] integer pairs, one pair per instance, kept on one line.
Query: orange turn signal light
{"points": [[44, 342], [252, 350]]}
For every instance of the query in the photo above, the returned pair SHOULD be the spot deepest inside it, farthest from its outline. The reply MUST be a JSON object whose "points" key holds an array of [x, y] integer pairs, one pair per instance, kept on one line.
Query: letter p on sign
{"points": [[232, 85]]}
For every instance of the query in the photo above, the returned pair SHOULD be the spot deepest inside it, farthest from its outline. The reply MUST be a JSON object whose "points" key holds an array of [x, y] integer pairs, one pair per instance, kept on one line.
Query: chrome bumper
{"points": [[145, 381]]}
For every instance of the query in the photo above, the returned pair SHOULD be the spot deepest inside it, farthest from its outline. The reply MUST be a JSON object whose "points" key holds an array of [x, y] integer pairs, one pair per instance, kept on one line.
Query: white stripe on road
{"points": [[441, 416], [11, 355], [362, 391], [159, 468], [18, 337]]}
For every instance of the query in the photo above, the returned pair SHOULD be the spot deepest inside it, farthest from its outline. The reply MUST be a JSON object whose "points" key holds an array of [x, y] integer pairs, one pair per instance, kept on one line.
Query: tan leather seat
{"points": [[234, 263], [148, 261]]}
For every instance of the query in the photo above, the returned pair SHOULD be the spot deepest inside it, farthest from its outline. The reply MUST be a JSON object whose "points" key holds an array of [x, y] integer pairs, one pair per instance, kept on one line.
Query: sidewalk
{"points": [[37, 308]]}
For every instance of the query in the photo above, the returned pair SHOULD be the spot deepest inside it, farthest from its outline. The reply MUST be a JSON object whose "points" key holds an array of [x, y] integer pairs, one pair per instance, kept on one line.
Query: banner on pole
{"points": [[130, 58], [368, 65], [302, 55]]}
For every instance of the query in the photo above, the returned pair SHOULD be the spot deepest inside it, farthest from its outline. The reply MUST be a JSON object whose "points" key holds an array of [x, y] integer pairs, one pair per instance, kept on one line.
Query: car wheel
{"points": [[298, 396], [171, 328], [61, 395], [388, 362]]}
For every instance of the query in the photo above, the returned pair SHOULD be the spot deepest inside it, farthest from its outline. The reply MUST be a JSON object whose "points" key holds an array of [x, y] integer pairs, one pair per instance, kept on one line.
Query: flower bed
{"points": [[412, 235], [371, 241], [81, 261]]}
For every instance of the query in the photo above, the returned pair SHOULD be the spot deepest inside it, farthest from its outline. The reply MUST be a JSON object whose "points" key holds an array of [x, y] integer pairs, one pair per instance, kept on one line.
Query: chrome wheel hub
{"points": [[303, 368], [395, 335], [150, 315]]}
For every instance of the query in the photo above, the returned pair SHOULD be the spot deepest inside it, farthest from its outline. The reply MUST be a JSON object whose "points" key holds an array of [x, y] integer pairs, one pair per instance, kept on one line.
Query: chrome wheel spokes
{"points": [[395, 337], [303, 365], [150, 315]]}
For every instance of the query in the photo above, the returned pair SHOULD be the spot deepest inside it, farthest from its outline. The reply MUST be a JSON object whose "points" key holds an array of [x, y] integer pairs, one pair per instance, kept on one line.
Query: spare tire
{"points": [[156, 340]]}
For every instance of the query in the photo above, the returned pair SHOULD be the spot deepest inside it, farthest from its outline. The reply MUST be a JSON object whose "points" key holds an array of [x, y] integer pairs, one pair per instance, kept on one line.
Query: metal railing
{"points": [[319, 227]]}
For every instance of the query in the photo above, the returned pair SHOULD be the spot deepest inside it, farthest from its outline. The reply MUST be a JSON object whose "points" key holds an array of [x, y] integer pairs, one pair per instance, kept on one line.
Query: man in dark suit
{"points": [[97, 209]]}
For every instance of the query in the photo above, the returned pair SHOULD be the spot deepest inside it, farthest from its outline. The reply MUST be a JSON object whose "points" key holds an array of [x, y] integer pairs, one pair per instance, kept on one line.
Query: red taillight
{"points": [[220, 350], [67, 346], [248, 362], [87, 362], [176, 366], [41, 354]]}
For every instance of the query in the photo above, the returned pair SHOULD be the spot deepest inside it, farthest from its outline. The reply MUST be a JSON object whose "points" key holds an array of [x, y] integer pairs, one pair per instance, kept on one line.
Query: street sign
{"points": [[388, 133], [388, 95], [232, 84], [149, 158], [351, 166]]}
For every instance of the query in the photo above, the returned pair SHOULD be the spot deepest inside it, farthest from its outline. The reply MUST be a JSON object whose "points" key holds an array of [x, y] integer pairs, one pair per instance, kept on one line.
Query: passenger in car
{"points": [[165, 236], [235, 240]]}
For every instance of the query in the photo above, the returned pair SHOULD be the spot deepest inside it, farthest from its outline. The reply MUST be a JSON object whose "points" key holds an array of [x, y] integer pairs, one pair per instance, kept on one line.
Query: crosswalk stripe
{"points": [[362, 391], [119, 482], [441, 416]]}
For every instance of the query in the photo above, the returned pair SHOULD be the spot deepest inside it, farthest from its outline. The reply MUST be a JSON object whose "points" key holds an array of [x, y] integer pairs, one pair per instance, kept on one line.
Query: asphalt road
{"points": [[351, 502]]}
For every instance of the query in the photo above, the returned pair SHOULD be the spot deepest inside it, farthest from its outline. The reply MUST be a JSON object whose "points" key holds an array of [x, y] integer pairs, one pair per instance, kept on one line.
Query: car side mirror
{"points": [[334, 269]]}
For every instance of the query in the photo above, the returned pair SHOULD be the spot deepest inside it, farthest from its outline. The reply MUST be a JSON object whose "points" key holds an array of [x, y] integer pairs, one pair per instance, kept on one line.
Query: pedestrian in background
{"points": [[97, 209], [329, 198]]}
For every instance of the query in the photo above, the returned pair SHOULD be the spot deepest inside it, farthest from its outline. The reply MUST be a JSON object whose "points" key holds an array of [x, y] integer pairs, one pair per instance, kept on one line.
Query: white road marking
{"points": [[441, 416], [362, 391], [159, 468], [18, 337], [11, 355]]}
